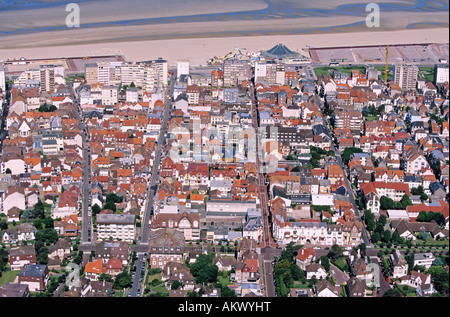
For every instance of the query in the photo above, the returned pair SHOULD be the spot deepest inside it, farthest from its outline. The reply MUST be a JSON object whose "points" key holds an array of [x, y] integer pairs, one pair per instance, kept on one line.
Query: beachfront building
{"points": [[405, 75], [235, 71]]}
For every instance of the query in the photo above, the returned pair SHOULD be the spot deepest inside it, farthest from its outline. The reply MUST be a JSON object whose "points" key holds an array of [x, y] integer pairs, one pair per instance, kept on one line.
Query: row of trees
{"points": [[388, 203], [377, 231]]}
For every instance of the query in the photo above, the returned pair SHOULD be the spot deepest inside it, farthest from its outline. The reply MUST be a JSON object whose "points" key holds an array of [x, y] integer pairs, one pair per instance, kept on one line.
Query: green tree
{"points": [[396, 238], [404, 202], [38, 210], [363, 249], [27, 214], [386, 203], [109, 205], [335, 252], [96, 209], [438, 262], [392, 292], [376, 237], [387, 236], [204, 270], [105, 277], [325, 262], [176, 285], [122, 280], [382, 220], [296, 272]]}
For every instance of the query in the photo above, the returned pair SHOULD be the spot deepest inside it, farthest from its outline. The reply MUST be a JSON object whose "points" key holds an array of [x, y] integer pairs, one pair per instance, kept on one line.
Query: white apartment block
{"points": [[110, 95], [119, 227], [441, 74], [2, 80], [182, 68], [133, 73]]}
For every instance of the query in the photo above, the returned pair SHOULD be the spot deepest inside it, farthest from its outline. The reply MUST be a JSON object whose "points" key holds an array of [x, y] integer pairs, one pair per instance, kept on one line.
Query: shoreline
{"points": [[199, 50]]}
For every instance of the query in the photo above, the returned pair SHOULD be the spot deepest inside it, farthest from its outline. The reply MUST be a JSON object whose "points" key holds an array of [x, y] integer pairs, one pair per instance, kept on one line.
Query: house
{"points": [[399, 266], [416, 279], [356, 287], [225, 263], [36, 276], [93, 270], [305, 256], [61, 249], [14, 290], [113, 267], [106, 250], [325, 289], [424, 290], [316, 270], [14, 198], [10, 236], [116, 226], [165, 245], [174, 271], [424, 259], [247, 270], [352, 232], [100, 289], [410, 230], [22, 256]]}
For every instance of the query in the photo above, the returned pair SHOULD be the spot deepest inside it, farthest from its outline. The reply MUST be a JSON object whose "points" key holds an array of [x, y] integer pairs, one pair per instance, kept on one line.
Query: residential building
{"points": [[405, 75], [116, 226], [36, 276]]}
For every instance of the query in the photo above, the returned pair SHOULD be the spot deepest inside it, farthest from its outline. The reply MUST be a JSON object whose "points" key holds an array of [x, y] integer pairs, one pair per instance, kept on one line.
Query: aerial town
{"points": [[276, 173]]}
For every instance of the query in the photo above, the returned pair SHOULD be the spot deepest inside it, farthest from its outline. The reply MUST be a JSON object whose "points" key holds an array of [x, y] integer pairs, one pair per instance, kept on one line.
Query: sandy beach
{"points": [[198, 30], [199, 50]]}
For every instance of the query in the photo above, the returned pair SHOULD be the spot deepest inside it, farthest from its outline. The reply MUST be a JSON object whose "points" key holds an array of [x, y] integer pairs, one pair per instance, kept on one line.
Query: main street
{"points": [[268, 244], [142, 248], [86, 225], [351, 194]]}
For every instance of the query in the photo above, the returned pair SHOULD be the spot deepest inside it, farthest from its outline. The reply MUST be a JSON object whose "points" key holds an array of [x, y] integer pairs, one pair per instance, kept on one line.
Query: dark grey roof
{"points": [[34, 270], [280, 51]]}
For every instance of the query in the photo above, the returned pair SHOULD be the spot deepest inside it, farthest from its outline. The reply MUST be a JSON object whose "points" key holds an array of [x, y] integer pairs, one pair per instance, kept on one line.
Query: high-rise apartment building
{"points": [[133, 73], [441, 74], [235, 71], [2, 80], [47, 78], [182, 68], [91, 73], [405, 75]]}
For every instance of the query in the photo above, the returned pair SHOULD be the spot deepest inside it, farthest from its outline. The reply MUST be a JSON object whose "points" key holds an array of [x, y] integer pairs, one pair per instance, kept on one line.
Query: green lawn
{"points": [[224, 280], [390, 72], [158, 288], [343, 69], [407, 290], [300, 285], [426, 72], [340, 263], [8, 277]]}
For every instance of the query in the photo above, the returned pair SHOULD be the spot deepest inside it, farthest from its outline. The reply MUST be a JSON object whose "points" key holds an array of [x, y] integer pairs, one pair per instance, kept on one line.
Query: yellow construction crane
{"points": [[386, 67]]}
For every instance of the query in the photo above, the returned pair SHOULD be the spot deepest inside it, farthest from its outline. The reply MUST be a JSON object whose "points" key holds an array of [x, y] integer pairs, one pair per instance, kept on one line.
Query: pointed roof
{"points": [[280, 51]]}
